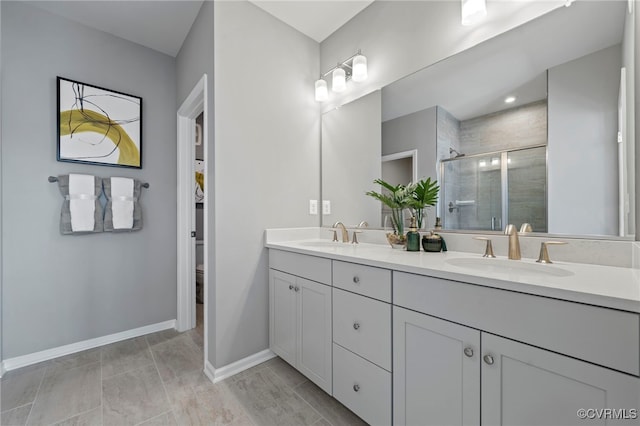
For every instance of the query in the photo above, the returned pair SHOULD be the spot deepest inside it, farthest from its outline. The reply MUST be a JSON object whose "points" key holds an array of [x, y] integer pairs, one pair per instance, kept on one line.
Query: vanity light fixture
{"points": [[482, 163], [495, 161], [354, 68], [473, 11], [322, 93], [338, 80], [509, 99]]}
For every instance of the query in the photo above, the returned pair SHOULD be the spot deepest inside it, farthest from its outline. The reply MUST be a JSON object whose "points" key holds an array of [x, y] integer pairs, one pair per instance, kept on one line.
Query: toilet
{"points": [[199, 283]]}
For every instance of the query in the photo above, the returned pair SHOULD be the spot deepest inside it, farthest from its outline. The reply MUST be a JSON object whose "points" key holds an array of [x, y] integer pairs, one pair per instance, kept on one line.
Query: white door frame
{"points": [[190, 109]]}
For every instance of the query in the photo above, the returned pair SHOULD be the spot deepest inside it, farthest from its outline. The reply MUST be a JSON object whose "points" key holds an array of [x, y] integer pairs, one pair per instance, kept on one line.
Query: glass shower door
{"points": [[527, 187], [472, 193]]}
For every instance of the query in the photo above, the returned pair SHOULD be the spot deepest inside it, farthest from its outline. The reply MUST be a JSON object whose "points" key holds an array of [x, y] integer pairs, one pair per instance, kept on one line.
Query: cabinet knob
{"points": [[468, 352], [488, 359], [356, 387], [356, 279], [290, 287], [356, 325], [296, 288]]}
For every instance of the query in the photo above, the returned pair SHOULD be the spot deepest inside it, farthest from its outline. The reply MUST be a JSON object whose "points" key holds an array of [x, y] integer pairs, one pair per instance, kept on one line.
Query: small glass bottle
{"points": [[413, 237]]}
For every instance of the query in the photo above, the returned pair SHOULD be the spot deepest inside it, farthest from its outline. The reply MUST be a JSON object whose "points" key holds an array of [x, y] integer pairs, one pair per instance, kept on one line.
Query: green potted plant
{"points": [[425, 193], [398, 198]]}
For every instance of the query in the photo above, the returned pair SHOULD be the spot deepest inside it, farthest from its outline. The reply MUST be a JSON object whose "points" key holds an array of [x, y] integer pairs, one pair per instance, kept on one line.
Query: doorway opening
{"points": [[193, 197]]}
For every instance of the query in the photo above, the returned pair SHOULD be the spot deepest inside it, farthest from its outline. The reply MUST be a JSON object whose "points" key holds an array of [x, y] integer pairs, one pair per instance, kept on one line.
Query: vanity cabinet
{"points": [[300, 316], [522, 384], [409, 349], [456, 371], [362, 340], [436, 367]]}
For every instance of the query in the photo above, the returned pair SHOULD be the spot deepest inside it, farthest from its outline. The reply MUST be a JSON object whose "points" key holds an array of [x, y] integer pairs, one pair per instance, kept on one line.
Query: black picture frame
{"points": [[98, 126]]}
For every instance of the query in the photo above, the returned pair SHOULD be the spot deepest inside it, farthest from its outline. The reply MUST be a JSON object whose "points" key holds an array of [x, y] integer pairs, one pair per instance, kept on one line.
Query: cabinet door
{"points": [[314, 332], [524, 385], [282, 313], [436, 368]]}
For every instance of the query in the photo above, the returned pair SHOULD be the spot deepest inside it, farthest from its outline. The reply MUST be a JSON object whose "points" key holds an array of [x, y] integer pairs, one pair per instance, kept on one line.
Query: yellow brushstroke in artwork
{"points": [[200, 180], [91, 121]]}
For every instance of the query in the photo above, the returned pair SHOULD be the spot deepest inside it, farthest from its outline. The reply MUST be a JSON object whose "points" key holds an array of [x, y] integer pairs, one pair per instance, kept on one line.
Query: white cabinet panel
{"points": [[300, 325], [301, 265], [363, 326], [314, 332], [599, 335], [282, 308], [361, 386], [361, 279], [524, 385], [436, 368]]}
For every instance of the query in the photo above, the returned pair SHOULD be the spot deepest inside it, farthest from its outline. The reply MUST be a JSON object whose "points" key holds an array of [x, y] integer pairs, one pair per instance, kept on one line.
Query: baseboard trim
{"points": [[218, 374], [36, 357]]}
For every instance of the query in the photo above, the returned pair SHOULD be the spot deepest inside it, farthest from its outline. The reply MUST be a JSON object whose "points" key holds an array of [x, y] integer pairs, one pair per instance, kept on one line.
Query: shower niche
{"points": [[487, 191]]}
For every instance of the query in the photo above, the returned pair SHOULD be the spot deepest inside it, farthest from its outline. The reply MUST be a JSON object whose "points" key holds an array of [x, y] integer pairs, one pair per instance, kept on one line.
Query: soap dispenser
{"points": [[413, 237]]}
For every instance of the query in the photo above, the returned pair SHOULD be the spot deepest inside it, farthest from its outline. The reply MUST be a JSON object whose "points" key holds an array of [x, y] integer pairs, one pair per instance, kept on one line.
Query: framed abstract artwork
{"points": [[98, 126]]}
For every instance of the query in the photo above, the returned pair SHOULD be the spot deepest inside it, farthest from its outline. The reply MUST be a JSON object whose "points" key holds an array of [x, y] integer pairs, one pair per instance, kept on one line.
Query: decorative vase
{"points": [[396, 241]]}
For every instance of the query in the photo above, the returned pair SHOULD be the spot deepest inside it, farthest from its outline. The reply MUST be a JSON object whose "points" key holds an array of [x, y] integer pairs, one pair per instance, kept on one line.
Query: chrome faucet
{"points": [[345, 233], [514, 243]]}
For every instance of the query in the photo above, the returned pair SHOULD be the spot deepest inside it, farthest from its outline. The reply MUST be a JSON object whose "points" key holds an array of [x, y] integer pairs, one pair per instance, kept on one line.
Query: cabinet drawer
{"points": [[366, 280], [363, 326], [361, 386], [310, 267], [599, 335]]}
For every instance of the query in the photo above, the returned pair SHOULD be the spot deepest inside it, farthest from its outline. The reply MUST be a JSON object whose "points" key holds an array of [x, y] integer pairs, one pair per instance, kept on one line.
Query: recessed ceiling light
{"points": [[509, 99]]}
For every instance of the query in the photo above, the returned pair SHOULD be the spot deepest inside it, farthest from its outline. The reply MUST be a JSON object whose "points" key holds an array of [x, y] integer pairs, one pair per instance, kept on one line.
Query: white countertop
{"points": [[607, 286]]}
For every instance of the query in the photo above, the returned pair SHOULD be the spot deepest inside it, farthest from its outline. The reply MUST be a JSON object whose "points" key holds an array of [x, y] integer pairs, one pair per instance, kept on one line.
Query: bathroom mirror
{"points": [[559, 156]]}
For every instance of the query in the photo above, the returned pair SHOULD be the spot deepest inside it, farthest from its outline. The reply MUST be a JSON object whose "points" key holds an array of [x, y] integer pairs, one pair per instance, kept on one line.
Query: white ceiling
{"points": [[163, 25], [159, 25], [316, 19]]}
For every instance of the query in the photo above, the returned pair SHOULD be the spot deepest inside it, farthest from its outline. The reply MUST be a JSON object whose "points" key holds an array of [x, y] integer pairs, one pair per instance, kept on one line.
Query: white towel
{"points": [[82, 205], [122, 202]]}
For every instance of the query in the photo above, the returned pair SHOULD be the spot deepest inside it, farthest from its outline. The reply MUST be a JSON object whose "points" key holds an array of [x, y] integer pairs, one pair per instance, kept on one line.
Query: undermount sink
{"points": [[511, 267]]}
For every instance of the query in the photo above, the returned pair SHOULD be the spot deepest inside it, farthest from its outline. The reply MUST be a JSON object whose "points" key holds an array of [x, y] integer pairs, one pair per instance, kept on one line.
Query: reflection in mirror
{"points": [[535, 125], [480, 191]]}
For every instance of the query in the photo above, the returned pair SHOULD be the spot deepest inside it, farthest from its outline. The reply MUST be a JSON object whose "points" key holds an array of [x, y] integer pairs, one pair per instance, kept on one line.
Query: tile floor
{"points": [[157, 380]]}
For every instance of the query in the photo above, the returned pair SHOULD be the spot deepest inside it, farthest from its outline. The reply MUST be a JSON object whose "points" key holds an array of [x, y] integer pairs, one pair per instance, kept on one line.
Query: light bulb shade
{"points": [[359, 68], [339, 80], [473, 11], [322, 93]]}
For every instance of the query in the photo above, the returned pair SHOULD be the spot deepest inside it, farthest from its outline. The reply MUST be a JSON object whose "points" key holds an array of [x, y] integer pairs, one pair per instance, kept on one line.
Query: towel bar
{"points": [[53, 179]]}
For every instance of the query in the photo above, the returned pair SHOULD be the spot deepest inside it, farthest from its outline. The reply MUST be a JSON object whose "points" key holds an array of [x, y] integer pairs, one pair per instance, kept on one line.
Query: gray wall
{"points": [[193, 61], [401, 37], [267, 160], [518, 127], [583, 154], [64, 289], [413, 131]]}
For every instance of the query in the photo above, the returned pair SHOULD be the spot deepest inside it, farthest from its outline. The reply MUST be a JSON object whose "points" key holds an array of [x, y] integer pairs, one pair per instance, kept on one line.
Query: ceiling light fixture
{"points": [[354, 68], [473, 11], [509, 99]]}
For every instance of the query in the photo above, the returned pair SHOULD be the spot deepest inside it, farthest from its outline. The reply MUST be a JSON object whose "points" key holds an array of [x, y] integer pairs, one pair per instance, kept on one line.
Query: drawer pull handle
{"points": [[356, 279], [297, 288], [290, 287], [356, 387], [356, 325], [488, 359], [468, 352]]}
